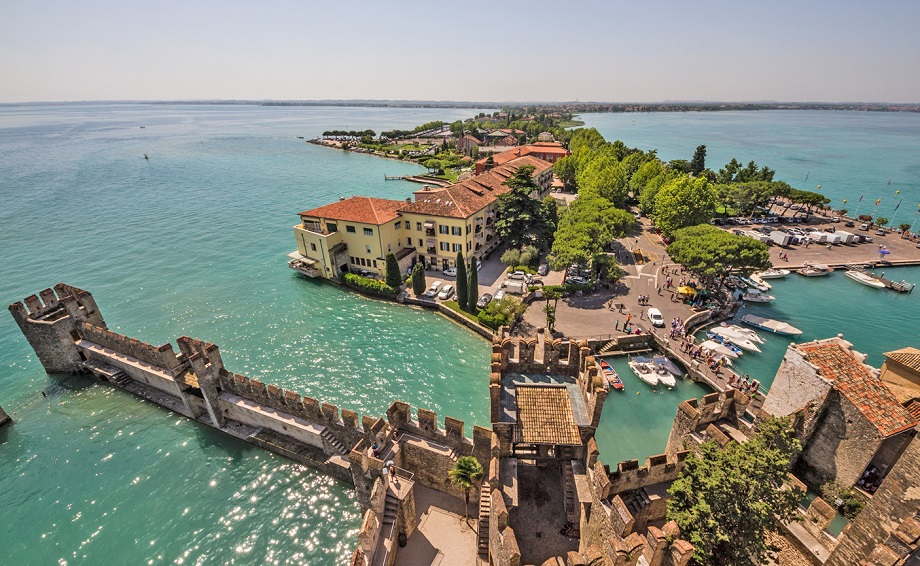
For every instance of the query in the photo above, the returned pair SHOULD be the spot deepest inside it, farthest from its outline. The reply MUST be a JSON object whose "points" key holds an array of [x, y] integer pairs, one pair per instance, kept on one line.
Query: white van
{"points": [[654, 315], [433, 290]]}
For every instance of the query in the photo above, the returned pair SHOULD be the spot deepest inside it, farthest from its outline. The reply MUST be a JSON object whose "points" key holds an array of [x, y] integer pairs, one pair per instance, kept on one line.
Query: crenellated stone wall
{"points": [[629, 475], [163, 357], [693, 415]]}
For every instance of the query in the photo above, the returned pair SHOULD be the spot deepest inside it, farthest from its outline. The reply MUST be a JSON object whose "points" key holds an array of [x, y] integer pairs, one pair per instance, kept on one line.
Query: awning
{"points": [[429, 225], [686, 291]]}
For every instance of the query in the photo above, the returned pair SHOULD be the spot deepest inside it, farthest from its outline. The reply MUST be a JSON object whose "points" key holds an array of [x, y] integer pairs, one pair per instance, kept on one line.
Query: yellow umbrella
{"points": [[686, 291]]}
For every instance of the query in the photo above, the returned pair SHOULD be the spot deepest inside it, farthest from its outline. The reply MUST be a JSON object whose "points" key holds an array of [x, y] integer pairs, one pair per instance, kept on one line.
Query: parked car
{"points": [[849, 224], [484, 300], [864, 227], [654, 315], [879, 232], [446, 292], [543, 269], [432, 291], [835, 219], [577, 280], [517, 275], [452, 272]]}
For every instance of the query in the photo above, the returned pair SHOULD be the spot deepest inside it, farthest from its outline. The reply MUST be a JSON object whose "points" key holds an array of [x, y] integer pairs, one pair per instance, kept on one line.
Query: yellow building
{"points": [[355, 234], [352, 235]]}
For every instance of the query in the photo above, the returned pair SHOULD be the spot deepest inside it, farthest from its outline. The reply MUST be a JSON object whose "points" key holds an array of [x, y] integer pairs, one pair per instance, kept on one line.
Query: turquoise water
{"points": [[848, 153], [193, 241]]}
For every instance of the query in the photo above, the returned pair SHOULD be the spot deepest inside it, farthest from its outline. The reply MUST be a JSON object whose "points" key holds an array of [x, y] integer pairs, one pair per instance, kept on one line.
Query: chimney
{"points": [[408, 200], [427, 188]]}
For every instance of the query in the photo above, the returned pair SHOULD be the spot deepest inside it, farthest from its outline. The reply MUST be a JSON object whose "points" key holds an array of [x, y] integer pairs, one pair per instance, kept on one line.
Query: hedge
{"points": [[369, 286]]}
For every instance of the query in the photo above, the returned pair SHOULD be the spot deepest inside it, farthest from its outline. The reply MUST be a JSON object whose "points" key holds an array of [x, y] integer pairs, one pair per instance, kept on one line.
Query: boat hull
{"points": [[644, 373], [864, 279]]}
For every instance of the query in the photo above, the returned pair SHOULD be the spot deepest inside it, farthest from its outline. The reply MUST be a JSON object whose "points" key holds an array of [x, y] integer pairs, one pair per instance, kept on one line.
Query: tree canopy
{"points": [[726, 499], [585, 228], [711, 252], [734, 172], [521, 218], [683, 202], [698, 163]]}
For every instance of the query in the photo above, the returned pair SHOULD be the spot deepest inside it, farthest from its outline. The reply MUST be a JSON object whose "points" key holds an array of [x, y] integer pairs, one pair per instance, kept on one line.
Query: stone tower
{"points": [[50, 325]]}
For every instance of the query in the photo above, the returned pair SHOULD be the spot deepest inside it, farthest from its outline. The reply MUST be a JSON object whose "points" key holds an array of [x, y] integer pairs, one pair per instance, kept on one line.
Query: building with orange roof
{"points": [[355, 234], [351, 235], [852, 426], [546, 151]]}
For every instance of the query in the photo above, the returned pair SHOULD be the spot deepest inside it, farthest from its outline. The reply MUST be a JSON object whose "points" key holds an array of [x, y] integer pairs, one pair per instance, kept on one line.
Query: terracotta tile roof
{"points": [[465, 198], [366, 210], [544, 148], [913, 407], [544, 416], [909, 357], [862, 388]]}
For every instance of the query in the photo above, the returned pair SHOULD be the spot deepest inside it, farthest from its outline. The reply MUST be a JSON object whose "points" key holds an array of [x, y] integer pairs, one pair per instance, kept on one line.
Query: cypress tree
{"points": [[462, 296], [394, 278], [419, 282], [473, 287]]}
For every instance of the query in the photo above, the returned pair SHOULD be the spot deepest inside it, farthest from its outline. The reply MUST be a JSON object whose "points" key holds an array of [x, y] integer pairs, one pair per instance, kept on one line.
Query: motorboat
{"points": [[668, 372], [773, 273], [644, 370], [610, 374], [771, 325], [865, 279], [745, 332], [814, 270], [738, 339], [724, 341], [755, 296], [756, 283], [719, 349]]}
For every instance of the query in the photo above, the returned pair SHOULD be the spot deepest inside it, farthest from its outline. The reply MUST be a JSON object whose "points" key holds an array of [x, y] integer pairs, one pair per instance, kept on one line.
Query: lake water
{"points": [[193, 241]]}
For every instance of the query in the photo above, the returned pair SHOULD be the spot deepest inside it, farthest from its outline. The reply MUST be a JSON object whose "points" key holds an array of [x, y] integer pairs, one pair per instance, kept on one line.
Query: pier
{"points": [[899, 286], [426, 179]]}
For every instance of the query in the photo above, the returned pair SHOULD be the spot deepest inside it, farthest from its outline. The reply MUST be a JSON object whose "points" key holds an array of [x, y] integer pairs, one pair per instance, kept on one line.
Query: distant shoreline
{"points": [[572, 107]]}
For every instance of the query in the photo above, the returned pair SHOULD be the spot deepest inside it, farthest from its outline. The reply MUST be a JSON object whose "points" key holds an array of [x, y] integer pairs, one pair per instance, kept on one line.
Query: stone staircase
{"points": [[121, 379], [387, 528], [484, 504], [639, 502], [332, 441]]}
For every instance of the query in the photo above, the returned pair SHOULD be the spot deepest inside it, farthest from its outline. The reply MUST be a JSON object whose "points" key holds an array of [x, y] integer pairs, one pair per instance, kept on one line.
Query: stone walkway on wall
{"points": [[443, 537]]}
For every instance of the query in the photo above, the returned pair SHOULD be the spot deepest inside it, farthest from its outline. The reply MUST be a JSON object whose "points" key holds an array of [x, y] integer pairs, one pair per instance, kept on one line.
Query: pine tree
{"points": [[698, 163], [394, 277], [473, 287], [462, 296], [419, 282]]}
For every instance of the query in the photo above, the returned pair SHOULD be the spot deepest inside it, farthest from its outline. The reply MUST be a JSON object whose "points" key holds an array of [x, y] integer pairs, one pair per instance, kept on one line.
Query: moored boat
{"points": [[815, 270], [770, 325], [745, 332], [736, 338], [668, 372], [719, 349], [644, 370], [724, 341], [610, 374], [755, 296], [865, 279], [773, 273]]}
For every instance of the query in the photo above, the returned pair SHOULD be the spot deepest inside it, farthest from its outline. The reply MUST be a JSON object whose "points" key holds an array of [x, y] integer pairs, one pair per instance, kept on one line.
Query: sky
{"points": [[495, 51]]}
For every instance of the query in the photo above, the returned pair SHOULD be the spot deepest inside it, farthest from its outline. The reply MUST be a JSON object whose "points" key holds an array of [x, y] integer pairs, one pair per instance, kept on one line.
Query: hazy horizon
{"points": [[664, 52]]}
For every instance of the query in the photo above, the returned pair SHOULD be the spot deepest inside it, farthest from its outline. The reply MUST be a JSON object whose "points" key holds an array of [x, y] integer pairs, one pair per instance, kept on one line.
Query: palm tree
{"points": [[466, 471]]}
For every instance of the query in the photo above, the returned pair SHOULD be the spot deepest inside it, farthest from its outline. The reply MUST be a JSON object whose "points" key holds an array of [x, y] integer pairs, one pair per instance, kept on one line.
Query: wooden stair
{"points": [[484, 506]]}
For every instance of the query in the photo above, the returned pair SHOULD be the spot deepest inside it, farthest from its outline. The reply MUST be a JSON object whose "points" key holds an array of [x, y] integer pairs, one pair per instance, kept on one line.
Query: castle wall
{"points": [[693, 415], [250, 413], [5, 419], [629, 476], [889, 526], [138, 371], [841, 446]]}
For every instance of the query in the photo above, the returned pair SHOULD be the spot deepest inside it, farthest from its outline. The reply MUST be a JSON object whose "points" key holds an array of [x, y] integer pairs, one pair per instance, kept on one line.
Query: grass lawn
{"points": [[452, 305]]}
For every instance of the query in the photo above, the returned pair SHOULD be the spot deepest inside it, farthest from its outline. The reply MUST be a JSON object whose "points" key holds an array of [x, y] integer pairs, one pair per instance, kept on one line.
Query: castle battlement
{"points": [[629, 475]]}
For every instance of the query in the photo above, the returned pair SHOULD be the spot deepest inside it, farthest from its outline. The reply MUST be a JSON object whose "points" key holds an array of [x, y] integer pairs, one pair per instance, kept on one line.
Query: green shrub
{"points": [[525, 268], [368, 286], [500, 313]]}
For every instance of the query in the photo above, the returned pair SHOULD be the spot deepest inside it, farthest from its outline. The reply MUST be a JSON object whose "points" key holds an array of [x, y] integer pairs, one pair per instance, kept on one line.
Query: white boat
{"points": [[735, 338], [759, 284], [720, 349], [773, 273], [644, 370], [668, 372], [814, 270], [746, 332], [665, 378], [770, 325], [865, 279], [755, 296]]}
